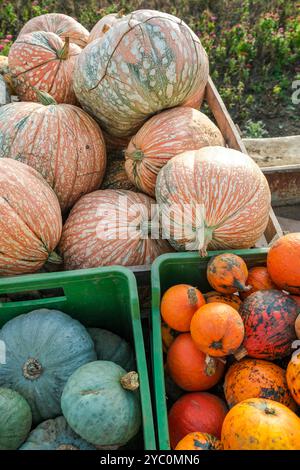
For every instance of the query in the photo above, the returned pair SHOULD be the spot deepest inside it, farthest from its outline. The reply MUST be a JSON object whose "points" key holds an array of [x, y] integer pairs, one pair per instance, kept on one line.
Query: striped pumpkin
{"points": [[104, 25], [42, 60], [30, 219], [219, 198], [62, 25], [61, 142], [110, 227], [147, 62], [163, 137]]}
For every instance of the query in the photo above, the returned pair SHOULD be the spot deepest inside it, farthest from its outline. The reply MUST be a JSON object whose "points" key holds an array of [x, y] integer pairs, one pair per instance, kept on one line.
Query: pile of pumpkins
{"points": [[65, 387], [226, 340], [134, 85]]}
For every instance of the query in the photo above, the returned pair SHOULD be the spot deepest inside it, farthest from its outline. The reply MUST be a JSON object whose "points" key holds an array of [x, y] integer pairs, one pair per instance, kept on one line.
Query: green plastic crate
{"points": [[100, 297], [168, 270]]}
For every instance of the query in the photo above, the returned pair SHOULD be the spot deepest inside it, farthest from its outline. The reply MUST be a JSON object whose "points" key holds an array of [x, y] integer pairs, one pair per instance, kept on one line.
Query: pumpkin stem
{"points": [[205, 239], [192, 296], [105, 28], [137, 155], [130, 381], [63, 54], [55, 258], [240, 353], [240, 286], [32, 369], [44, 97], [210, 365], [67, 447]]}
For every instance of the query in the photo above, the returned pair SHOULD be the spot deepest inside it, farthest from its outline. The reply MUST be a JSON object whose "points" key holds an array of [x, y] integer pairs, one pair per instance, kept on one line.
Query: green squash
{"points": [[15, 419], [110, 347], [43, 348], [55, 434], [101, 403]]}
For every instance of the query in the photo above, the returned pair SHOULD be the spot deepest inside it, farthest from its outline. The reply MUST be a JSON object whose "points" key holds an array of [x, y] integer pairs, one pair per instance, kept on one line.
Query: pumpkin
{"points": [[297, 326], [86, 241], [199, 441], [255, 378], [116, 177], [227, 273], [43, 348], [62, 25], [15, 419], [168, 336], [62, 142], [178, 305], [55, 434], [148, 61], [283, 263], [218, 199], [43, 61], [198, 410], [269, 318], [217, 329], [30, 219], [164, 136], [293, 376], [101, 403], [104, 25], [196, 100], [110, 347], [260, 424], [258, 279], [190, 368], [230, 299]]}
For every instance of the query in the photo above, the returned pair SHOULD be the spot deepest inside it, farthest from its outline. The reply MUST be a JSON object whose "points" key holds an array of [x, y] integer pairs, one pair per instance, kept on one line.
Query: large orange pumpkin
{"points": [[163, 137], [217, 329], [259, 424], [227, 273], [30, 219], [104, 25], [109, 227], [214, 198], [191, 369], [293, 376], [229, 299], [61, 142], [283, 263], [258, 279], [253, 378], [199, 441], [178, 305], [42, 60], [62, 25], [198, 410], [148, 61]]}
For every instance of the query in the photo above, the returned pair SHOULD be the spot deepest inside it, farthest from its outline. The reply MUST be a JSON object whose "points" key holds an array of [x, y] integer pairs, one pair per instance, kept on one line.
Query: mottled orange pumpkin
{"points": [[217, 329], [168, 336], [258, 279], [254, 378], [260, 424], [191, 369], [230, 299], [283, 263], [178, 305], [199, 441], [227, 273], [293, 376]]}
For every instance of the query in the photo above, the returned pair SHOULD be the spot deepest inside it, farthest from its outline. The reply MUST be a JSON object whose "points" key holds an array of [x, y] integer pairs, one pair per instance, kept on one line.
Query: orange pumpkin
{"points": [[178, 305], [253, 378], [260, 424], [227, 273], [293, 376], [168, 336], [104, 25], [191, 369], [258, 279], [217, 329], [233, 300], [283, 263], [199, 441]]}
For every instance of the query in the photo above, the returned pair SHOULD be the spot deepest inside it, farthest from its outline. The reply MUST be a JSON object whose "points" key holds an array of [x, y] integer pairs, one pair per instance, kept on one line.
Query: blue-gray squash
{"points": [[55, 434], [101, 403], [43, 348], [15, 419], [110, 347]]}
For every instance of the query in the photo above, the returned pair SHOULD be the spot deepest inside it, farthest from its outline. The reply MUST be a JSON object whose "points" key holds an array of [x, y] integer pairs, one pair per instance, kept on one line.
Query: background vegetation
{"points": [[253, 46]]}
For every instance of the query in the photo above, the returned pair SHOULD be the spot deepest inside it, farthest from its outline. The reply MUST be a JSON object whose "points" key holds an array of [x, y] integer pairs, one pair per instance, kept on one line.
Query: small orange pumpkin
{"points": [[259, 279], [293, 376], [259, 424], [282, 263], [168, 336], [227, 273], [191, 369], [217, 329], [179, 304], [199, 441], [254, 378], [233, 300]]}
